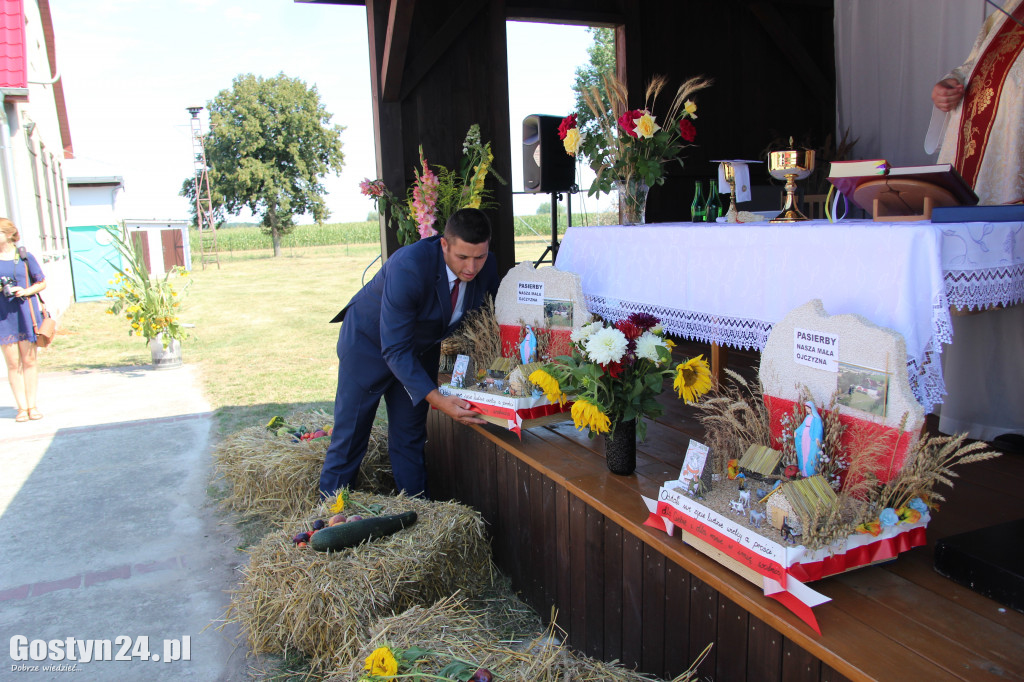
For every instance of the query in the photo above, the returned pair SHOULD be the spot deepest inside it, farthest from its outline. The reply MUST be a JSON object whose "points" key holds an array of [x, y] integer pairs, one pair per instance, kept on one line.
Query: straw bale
{"points": [[455, 628], [323, 604], [271, 475]]}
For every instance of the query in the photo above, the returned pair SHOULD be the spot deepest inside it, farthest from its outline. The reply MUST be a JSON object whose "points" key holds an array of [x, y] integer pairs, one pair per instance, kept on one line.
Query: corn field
{"points": [[251, 238]]}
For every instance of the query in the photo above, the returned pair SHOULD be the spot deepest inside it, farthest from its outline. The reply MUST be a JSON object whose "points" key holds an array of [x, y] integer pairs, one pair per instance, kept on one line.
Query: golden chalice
{"points": [[790, 165], [732, 215]]}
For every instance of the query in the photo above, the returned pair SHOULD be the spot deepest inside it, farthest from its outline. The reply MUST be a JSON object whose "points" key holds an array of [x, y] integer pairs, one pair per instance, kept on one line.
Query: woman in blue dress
{"points": [[17, 305]]}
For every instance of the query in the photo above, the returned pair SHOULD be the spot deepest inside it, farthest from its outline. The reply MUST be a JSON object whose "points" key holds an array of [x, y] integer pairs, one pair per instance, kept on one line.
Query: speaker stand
{"points": [[552, 248]]}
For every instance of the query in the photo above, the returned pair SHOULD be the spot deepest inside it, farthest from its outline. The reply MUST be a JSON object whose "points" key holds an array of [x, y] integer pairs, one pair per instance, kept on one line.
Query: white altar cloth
{"points": [[729, 283]]}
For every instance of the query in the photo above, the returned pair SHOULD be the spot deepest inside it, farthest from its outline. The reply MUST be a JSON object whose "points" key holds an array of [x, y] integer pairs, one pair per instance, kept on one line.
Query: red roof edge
{"points": [[58, 87], [13, 60]]}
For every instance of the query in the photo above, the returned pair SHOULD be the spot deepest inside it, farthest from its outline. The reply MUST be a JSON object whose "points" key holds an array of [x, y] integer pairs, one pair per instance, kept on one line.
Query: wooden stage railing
{"points": [[568, 534]]}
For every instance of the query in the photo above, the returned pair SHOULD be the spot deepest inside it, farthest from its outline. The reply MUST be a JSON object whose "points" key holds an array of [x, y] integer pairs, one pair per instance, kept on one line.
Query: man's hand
{"points": [[947, 94], [456, 408]]}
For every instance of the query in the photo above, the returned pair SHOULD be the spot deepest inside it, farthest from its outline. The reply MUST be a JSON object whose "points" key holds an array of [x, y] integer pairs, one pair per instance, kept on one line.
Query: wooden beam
{"points": [[386, 116], [395, 47], [422, 62]]}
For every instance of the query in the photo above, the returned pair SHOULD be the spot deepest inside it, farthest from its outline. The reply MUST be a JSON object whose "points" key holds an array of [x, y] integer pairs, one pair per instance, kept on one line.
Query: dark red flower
{"points": [[687, 130], [631, 330], [628, 121], [567, 124], [643, 320], [613, 369]]}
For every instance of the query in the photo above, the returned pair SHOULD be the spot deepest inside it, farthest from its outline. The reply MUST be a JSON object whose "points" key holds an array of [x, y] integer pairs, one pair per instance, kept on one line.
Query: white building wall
{"points": [[35, 193]]}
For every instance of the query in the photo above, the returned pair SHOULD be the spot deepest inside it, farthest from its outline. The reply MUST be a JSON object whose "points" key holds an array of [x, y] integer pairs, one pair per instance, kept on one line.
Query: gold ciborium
{"points": [[790, 165]]}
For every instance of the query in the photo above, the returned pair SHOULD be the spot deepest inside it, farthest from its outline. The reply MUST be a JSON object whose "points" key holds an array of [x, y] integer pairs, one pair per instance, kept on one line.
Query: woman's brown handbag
{"points": [[45, 329]]}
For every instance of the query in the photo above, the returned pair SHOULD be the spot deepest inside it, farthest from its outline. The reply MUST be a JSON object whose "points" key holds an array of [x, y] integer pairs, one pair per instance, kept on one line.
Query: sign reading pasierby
{"points": [[530, 293], [819, 350]]}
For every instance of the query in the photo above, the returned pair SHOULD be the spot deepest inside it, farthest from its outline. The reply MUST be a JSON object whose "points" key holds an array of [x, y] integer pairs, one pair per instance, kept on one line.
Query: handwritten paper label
{"points": [[819, 350], [531, 293], [693, 463]]}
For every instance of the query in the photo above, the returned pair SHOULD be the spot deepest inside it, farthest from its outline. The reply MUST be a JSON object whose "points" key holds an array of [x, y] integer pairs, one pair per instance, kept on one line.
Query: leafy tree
{"points": [[269, 147], [545, 208], [372, 216], [591, 76]]}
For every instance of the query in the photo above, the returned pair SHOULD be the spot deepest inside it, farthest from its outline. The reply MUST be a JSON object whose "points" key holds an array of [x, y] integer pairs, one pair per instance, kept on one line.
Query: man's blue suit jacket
{"points": [[393, 326]]}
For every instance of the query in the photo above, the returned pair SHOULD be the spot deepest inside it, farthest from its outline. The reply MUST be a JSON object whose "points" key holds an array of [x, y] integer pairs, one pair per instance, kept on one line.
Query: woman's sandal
{"points": [[34, 414], [22, 416]]}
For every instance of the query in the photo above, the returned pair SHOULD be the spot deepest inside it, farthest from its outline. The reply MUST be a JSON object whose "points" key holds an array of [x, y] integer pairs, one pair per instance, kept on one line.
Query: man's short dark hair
{"points": [[470, 225]]}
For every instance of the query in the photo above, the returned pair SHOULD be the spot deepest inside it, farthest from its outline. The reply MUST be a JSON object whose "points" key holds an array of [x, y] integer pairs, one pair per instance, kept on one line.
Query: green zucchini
{"points": [[352, 533]]}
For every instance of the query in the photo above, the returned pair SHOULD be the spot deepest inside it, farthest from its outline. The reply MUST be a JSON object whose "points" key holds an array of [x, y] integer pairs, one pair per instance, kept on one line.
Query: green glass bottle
{"points": [[697, 207], [713, 208]]}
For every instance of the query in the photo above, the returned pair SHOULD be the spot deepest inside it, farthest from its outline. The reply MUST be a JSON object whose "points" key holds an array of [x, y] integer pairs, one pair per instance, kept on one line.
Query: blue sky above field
{"points": [[131, 67]]}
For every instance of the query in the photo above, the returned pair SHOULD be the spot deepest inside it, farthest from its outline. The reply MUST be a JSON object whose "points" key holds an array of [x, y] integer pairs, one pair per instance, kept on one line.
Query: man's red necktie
{"points": [[455, 296]]}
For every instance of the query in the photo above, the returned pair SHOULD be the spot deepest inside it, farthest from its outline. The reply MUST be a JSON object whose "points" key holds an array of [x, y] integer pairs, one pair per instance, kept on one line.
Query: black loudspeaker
{"points": [[546, 165]]}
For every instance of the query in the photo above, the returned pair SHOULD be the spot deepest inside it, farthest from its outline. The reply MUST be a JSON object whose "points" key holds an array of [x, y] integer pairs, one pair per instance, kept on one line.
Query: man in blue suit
{"points": [[389, 347]]}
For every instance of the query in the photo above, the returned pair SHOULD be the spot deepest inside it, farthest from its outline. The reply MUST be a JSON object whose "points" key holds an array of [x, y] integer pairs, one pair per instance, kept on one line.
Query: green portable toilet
{"points": [[93, 260]]}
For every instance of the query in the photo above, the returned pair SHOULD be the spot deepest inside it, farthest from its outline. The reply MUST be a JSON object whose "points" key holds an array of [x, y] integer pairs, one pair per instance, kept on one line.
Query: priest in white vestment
{"points": [[984, 140]]}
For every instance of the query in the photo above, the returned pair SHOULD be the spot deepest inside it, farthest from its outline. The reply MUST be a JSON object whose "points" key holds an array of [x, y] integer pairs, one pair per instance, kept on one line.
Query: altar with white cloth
{"points": [[727, 283]]}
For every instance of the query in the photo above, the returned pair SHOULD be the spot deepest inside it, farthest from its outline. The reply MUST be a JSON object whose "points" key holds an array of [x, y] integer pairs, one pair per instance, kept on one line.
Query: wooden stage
{"points": [[568, 533]]}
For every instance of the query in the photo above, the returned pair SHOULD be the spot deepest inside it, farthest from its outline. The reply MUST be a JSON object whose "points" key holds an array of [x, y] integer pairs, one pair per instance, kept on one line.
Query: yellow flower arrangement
{"points": [[148, 303]]}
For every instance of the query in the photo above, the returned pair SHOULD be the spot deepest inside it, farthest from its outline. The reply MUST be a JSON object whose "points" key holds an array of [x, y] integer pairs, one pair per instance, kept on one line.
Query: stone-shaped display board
{"points": [[542, 297], [866, 363]]}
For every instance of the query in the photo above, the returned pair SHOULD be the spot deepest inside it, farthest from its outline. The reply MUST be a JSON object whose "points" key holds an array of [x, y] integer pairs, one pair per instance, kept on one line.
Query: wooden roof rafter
{"points": [[395, 47]]}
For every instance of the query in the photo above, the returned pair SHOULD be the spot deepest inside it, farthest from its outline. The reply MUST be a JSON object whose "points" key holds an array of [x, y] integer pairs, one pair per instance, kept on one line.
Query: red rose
{"points": [[628, 121], [567, 124], [687, 130]]}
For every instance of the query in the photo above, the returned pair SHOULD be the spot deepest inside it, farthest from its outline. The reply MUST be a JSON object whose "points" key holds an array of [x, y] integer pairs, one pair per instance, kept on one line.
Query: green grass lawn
{"points": [[262, 337]]}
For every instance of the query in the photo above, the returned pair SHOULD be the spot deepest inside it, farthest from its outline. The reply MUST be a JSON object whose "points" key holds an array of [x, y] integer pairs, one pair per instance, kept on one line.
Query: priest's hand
{"points": [[947, 94], [456, 408]]}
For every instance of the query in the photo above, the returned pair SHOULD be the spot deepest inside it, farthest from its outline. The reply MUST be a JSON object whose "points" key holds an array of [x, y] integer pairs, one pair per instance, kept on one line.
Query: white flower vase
{"points": [[165, 358]]}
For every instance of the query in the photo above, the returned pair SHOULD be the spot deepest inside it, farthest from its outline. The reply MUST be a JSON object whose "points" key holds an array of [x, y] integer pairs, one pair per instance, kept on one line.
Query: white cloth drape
{"points": [[888, 57]]}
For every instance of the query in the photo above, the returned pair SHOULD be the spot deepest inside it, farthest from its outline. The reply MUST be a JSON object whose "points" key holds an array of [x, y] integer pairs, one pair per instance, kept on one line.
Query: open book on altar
{"points": [[906, 192]]}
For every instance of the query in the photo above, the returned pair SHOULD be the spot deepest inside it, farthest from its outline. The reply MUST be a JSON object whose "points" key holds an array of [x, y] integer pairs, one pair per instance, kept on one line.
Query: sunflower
{"points": [[587, 414], [693, 379], [382, 663], [549, 385]]}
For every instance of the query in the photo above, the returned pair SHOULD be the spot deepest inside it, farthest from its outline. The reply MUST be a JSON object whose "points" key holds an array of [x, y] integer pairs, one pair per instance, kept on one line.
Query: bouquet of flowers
{"points": [[149, 304], [437, 192], [616, 371], [630, 148]]}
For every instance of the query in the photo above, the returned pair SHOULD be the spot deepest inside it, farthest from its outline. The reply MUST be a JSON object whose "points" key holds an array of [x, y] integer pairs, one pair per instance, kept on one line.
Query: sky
{"points": [[130, 68]]}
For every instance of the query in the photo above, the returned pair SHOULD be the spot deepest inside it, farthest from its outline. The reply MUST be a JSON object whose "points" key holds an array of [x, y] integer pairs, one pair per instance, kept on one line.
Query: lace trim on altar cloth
{"points": [[924, 374], [983, 287], [735, 332]]}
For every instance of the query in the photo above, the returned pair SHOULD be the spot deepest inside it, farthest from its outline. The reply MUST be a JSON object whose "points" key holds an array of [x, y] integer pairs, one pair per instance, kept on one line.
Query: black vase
{"points": [[620, 452]]}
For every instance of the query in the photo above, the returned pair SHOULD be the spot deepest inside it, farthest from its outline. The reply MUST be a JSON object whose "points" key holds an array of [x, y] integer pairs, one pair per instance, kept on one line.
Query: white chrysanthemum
{"points": [[584, 332], [606, 345], [658, 329], [647, 346]]}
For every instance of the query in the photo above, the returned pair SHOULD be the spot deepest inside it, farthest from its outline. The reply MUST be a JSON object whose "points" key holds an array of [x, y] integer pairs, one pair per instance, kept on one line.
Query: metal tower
{"points": [[204, 202]]}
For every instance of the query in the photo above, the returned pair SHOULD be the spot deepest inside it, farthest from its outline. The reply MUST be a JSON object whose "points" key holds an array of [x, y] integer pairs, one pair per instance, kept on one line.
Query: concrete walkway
{"points": [[106, 532]]}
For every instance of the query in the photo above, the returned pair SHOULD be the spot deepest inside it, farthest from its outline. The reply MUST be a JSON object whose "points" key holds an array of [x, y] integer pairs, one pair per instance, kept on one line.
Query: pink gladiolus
{"points": [[424, 200]]}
